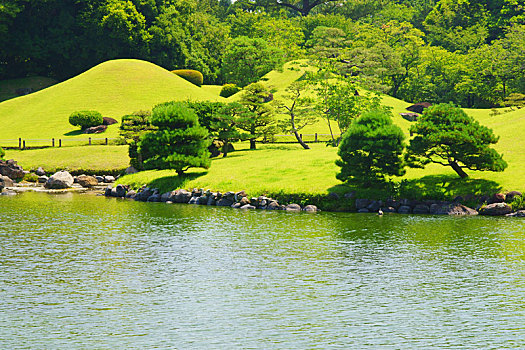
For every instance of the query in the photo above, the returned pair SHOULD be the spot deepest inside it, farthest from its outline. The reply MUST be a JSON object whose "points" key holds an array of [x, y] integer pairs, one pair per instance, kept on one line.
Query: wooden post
{"points": [[53, 142], [20, 142], [315, 137], [90, 141], [24, 144], [59, 142], [106, 141]]}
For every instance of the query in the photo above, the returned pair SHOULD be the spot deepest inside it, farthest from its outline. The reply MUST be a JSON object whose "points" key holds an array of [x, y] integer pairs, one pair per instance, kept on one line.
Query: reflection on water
{"points": [[89, 272]]}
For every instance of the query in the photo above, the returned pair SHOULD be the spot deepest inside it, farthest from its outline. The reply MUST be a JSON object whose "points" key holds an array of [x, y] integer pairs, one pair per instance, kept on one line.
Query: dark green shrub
{"points": [[193, 76], [2, 153], [30, 177], [86, 119], [179, 143], [371, 149], [229, 90]]}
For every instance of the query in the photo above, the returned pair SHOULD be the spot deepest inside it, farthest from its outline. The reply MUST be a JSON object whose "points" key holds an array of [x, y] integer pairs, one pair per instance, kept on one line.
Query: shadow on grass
{"points": [[436, 187], [170, 183], [73, 133]]}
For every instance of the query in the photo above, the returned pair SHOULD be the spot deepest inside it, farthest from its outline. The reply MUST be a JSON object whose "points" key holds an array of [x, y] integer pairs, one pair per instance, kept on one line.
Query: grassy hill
{"points": [[114, 88]]}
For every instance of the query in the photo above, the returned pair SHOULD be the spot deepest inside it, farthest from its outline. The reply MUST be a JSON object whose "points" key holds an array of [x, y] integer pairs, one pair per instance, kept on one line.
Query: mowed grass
{"points": [[96, 158], [269, 169], [114, 88]]}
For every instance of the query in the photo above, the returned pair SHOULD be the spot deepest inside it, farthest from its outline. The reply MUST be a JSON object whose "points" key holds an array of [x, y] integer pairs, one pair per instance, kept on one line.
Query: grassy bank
{"points": [[93, 159]]}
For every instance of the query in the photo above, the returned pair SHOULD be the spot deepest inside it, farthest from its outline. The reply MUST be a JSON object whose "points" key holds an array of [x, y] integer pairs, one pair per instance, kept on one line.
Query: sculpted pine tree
{"points": [[371, 149], [255, 98], [446, 135], [179, 143]]}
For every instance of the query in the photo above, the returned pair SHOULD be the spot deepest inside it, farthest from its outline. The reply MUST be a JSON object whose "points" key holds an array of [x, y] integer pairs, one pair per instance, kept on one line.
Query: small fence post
{"points": [[315, 137], [53, 142], [24, 144], [59, 142], [20, 142], [90, 141], [106, 141]]}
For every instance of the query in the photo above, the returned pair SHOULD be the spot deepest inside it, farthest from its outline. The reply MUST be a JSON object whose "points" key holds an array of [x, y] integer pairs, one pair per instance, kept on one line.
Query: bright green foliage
{"points": [[260, 121], [300, 108], [446, 135], [229, 90], [246, 60], [2, 153], [85, 119], [133, 126], [224, 125], [193, 76], [371, 149], [179, 143]]}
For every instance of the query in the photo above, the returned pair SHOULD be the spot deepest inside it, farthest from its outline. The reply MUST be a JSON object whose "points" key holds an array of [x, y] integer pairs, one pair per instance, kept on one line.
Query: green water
{"points": [[87, 272]]}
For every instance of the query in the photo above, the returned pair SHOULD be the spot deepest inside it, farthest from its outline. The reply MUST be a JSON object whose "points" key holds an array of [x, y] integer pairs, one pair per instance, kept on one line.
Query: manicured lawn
{"points": [[97, 158], [114, 88]]}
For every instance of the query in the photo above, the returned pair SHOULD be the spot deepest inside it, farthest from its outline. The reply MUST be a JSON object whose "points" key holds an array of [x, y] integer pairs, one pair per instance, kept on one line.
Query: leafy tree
{"points": [[302, 7], [300, 108], [260, 120], [371, 149], [246, 60], [225, 124], [446, 135], [179, 143], [221, 120]]}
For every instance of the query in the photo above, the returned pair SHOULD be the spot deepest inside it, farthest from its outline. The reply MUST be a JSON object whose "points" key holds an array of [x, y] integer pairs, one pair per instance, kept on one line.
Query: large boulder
{"points": [[453, 209], [11, 169], [497, 198], [419, 107], [87, 181], [362, 203], [60, 180], [6, 181], [108, 121], [293, 207], [95, 129], [310, 208], [518, 214], [40, 171], [511, 195], [495, 209], [421, 209]]}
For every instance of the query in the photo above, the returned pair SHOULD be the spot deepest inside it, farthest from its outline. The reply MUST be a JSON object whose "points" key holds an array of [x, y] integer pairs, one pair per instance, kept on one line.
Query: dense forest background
{"points": [[470, 52]]}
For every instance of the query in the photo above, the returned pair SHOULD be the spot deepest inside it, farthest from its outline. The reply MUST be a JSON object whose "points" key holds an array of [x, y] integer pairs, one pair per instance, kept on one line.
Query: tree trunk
{"points": [[300, 140], [225, 149], [457, 168], [297, 136], [252, 140]]}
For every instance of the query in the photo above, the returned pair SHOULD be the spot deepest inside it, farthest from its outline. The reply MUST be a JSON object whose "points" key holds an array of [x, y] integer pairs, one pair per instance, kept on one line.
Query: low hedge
{"points": [[86, 119], [2, 153], [193, 76], [229, 90]]}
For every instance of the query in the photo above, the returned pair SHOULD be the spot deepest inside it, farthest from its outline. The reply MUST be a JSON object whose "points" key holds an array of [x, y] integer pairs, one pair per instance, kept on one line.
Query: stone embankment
{"points": [[238, 200]]}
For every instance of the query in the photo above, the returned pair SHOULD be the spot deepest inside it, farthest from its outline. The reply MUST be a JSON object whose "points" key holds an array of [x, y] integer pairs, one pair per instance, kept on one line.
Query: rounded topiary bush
{"points": [[193, 76], [86, 119], [229, 90]]}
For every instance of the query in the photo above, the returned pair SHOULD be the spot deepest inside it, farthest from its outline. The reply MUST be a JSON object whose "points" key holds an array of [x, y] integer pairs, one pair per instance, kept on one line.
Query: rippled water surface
{"points": [[86, 272]]}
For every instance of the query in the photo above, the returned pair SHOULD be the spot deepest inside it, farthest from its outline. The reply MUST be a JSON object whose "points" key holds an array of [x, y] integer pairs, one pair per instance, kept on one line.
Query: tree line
{"points": [[467, 52]]}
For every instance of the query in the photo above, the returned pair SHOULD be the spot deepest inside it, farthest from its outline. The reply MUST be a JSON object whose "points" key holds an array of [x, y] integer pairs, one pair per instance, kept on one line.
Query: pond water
{"points": [[86, 272]]}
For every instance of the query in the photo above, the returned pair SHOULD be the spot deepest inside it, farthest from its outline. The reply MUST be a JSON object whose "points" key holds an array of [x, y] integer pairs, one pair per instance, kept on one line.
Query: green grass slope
{"points": [[114, 88]]}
